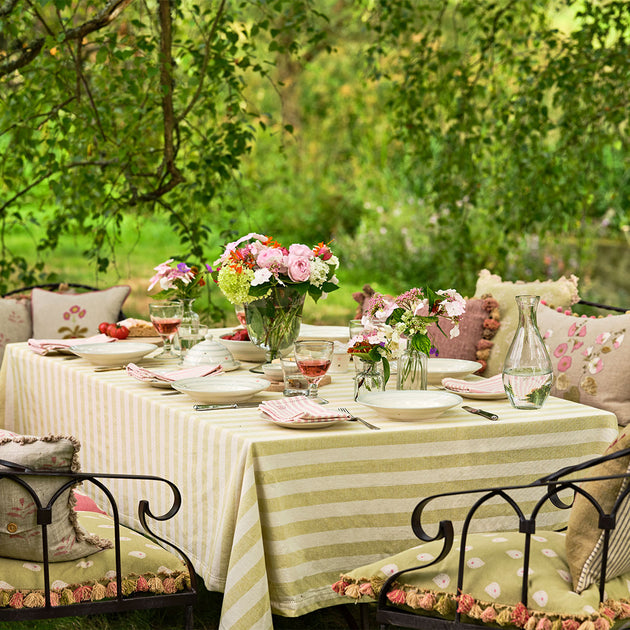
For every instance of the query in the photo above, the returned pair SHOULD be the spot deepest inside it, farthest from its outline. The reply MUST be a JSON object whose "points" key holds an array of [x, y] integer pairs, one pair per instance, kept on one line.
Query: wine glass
{"points": [[166, 318], [313, 360]]}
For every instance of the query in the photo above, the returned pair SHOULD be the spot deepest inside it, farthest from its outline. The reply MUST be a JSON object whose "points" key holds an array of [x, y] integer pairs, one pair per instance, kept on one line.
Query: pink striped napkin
{"points": [[146, 375], [44, 346], [298, 409], [493, 385]]}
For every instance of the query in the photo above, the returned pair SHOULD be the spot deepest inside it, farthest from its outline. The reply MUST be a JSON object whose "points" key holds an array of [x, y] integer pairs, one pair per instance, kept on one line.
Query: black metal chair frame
{"points": [[606, 307], [67, 480], [551, 485]]}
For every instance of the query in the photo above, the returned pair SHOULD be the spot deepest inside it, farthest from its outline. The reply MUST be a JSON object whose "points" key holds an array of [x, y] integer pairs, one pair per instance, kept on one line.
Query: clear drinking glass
{"points": [[313, 360], [166, 318]]}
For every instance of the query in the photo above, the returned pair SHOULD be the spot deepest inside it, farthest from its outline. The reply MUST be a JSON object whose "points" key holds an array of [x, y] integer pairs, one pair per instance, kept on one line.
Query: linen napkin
{"points": [[298, 409], [144, 374], [44, 346], [492, 385]]}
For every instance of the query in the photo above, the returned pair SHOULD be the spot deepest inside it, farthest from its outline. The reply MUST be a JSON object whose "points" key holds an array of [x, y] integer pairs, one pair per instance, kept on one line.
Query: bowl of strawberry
{"points": [[242, 349]]}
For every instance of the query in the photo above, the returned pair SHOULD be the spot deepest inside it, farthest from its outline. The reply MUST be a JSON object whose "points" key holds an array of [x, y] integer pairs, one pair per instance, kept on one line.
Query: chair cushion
{"points": [[67, 315], [146, 567], [562, 292], [492, 583], [584, 538], [15, 321], [20, 535], [591, 362]]}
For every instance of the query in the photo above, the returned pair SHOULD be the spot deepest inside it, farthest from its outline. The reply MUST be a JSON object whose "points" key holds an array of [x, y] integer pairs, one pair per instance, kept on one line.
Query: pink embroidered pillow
{"points": [[67, 315], [591, 359], [15, 322]]}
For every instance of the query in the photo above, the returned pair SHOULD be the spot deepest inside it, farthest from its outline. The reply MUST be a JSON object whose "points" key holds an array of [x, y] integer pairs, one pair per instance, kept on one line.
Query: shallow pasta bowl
{"points": [[114, 353], [410, 405], [224, 388]]}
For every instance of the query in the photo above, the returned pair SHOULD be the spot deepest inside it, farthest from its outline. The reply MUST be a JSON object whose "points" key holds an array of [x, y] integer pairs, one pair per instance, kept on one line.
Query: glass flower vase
{"points": [[527, 371], [188, 332], [412, 369], [273, 322], [369, 377]]}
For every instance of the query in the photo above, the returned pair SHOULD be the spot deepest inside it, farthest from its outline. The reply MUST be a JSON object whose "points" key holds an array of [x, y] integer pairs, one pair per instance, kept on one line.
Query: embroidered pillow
{"points": [[68, 315], [585, 539], [20, 535], [591, 360], [492, 584], [562, 292], [15, 322]]}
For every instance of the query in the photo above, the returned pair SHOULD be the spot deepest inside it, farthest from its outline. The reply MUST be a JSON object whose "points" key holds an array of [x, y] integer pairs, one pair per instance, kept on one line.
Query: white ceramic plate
{"points": [[410, 404], [114, 353], [331, 333], [480, 395], [224, 388], [243, 350], [449, 368], [304, 425]]}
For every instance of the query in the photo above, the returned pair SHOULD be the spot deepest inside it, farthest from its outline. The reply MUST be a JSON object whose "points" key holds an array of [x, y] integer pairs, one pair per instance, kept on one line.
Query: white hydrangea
{"points": [[319, 272]]}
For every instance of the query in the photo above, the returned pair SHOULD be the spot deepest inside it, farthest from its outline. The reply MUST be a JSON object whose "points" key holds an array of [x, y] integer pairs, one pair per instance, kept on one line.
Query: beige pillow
{"points": [[15, 322], [68, 315], [562, 292], [20, 535], [584, 538], [591, 359]]}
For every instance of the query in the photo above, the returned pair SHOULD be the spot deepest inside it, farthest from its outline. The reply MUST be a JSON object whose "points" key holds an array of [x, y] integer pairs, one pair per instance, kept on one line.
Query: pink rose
{"points": [[300, 250], [298, 268], [270, 258]]}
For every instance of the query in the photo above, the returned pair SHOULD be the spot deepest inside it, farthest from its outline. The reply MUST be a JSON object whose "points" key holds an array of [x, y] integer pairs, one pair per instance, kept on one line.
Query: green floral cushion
{"points": [[492, 584], [147, 567]]}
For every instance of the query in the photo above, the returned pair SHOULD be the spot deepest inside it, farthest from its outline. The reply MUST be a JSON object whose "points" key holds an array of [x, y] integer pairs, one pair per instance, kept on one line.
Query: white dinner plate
{"points": [[331, 333], [223, 388], [113, 353], [449, 368], [413, 404], [312, 424], [479, 395]]}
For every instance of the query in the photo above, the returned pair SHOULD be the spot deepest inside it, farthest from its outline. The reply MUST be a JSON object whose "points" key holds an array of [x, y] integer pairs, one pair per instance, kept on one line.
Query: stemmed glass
{"points": [[313, 360], [166, 318]]}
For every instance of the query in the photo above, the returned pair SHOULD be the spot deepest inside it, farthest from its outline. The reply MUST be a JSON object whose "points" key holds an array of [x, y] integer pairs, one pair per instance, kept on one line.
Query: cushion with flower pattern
{"points": [[492, 584], [591, 359], [562, 292], [68, 315], [146, 568], [15, 322]]}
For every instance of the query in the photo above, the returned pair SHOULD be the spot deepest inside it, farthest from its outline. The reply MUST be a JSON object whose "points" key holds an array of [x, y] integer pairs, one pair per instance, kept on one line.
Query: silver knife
{"points": [[242, 405], [481, 412]]}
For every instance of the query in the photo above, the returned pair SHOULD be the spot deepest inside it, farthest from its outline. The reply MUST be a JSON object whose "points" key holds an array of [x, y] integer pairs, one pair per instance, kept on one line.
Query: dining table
{"points": [[272, 515]]}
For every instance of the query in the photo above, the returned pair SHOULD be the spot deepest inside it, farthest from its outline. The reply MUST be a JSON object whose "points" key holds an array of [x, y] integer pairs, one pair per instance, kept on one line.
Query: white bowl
{"points": [[449, 368], [209, 352], [113, 353], [243, 350], [224, 388], [413, 404]]}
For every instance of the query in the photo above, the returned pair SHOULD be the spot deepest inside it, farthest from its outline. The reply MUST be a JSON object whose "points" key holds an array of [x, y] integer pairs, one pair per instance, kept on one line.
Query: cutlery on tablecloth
{"points": [[171, 393], [361, 420], [481, 412], [241, 405]]}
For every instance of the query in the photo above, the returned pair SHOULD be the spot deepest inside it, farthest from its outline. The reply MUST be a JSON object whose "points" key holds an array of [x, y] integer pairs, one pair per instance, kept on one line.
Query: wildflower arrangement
{"points": [[372, 345], [251, 267], [179, 281]]}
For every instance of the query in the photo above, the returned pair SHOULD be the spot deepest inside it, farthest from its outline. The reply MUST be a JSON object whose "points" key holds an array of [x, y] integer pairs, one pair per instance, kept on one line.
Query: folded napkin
{"points": [[144, 374], [298, 409], [44, 346], [492, 385]]}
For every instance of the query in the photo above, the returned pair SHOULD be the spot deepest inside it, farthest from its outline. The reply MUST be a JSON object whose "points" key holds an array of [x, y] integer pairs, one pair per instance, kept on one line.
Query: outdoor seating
{"points": [[54, 559], [532, 578]]}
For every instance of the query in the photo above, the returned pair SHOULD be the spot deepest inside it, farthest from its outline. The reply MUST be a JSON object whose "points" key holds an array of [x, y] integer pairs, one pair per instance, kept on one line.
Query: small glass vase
{"points": [[412, 369], [273, 322], [189, 328], [527, 371], [369, 377]]}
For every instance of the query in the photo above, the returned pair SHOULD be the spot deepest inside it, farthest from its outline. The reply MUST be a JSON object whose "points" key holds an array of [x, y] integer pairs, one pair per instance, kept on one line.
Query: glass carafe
{"points": [[527, 371]]}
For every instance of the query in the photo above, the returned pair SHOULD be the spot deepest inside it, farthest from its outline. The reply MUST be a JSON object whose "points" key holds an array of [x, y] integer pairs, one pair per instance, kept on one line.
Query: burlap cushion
{"points": [[591, 359], [20, 535], [562, 292], [585, 539]]}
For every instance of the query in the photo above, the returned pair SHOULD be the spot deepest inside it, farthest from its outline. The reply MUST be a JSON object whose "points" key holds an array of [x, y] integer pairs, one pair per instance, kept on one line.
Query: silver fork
{"points": [[353, 417]]}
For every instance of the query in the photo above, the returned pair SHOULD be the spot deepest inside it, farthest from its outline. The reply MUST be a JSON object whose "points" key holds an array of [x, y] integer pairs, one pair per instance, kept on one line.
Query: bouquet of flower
{"points": [[251, 267], [372, 345], [179, 282]]}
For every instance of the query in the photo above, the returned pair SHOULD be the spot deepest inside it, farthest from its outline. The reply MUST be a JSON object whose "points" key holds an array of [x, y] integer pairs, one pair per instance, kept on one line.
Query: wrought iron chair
{"points": [[123, 592], [403, 599]]}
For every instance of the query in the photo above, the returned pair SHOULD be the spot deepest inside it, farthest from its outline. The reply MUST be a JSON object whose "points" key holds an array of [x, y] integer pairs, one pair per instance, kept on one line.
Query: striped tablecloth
{"points": [[272, 515]]}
